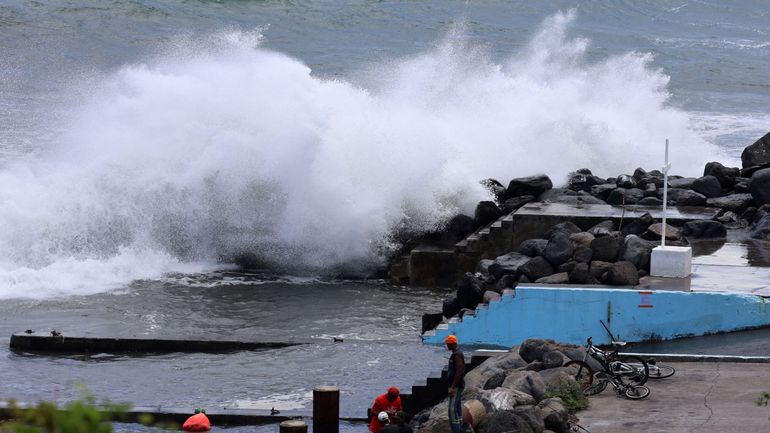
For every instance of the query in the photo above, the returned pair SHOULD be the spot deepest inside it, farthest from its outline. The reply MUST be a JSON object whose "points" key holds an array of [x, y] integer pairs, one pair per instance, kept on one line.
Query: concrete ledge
{"points": [[686, 357], [47, 343]]}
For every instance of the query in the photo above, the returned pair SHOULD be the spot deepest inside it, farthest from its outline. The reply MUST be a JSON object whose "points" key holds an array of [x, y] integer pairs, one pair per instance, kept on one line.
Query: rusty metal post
{"points": [[293, 426], [326, 409]]}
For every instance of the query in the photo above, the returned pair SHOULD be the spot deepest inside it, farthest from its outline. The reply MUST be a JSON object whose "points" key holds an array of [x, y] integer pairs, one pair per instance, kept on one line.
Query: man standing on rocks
{"points": [[456, 377]]}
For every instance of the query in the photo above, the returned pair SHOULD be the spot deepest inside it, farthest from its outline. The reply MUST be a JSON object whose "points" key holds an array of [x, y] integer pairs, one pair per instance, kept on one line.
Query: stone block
{"points": [[673, 262]]}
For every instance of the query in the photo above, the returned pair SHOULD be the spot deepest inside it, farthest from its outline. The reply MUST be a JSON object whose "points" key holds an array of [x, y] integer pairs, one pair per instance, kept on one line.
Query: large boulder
{"points": [[725, 175], [559, 249], [533, 349], [760, 186], [504, 421], [582, 255], [708, 186], [552, 359], [757, 153], [602, 191], [655, 231], [529, 382], [650, 201], [515, 203], [582, 180], [684, 197], [567, 227], [637, 251], [555, 415], [495, 188], [704, 229], [482, 266], [451, 307], [581, 239], [507, 264], [604, 248], [625, 181], [622, 273], [532, 247], [680, 182], [578, 199], [536, 268], [433, 420], [599, 268], [469, 291], [532, 415], [621, 196], [486, 212], [531, 185], [603, 228], [733, 202], [580, 274], [638, 225], [557, 377], [579, 354], [557, 278]]}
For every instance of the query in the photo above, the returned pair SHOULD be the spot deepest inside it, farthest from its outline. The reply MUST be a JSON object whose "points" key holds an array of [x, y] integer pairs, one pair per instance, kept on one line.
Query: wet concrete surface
{"points": [[754, 342], [700, 397]]}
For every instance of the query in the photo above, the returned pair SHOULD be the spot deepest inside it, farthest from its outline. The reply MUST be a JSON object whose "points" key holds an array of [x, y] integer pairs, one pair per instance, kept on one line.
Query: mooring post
{"points": [[292, 426], [326, 409]]}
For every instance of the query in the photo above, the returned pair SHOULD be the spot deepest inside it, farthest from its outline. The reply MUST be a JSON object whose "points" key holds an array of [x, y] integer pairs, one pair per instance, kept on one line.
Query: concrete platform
{"points": [[37, 342], [700, 397]]}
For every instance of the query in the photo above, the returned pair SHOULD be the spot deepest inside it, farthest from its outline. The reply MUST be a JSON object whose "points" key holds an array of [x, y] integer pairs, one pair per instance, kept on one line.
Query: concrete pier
{"points": [[38, 342]]}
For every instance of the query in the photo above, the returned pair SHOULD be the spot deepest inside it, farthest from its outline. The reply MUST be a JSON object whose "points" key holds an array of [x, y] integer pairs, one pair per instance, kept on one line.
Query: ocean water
{"points": [[145, 144]]}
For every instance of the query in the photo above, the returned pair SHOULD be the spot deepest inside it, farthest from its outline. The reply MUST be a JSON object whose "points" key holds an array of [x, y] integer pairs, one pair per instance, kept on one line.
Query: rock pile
{"points": [[518, 390]]}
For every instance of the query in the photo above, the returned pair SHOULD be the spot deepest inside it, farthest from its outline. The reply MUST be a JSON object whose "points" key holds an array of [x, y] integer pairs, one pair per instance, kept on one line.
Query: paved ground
{"points": [[699, 398]]}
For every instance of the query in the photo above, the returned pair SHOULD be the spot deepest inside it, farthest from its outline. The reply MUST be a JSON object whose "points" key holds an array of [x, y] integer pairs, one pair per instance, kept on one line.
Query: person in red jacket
{"points": [[389, 402]]}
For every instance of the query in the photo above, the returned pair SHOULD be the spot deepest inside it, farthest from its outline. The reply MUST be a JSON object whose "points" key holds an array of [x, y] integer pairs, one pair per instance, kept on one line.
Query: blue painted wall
{"points": [[571, 315]]}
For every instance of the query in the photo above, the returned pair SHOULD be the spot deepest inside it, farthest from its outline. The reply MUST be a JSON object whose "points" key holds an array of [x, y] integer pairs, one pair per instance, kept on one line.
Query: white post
{"points": [[665, 197]]}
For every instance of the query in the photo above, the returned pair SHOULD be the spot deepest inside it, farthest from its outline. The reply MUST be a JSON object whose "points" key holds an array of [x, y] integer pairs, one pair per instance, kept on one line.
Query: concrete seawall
{"points": [[571, 314]]}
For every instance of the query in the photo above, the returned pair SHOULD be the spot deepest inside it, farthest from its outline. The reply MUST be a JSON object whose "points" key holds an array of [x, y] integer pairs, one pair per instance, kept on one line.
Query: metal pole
{"points": [[665, 198]]}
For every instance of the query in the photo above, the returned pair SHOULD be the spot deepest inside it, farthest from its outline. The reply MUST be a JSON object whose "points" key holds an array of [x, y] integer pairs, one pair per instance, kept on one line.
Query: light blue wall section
{"points": [[571, 315]]}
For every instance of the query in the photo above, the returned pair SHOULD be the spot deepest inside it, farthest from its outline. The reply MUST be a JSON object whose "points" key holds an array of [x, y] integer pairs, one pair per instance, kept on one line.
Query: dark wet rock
{"points": [[704, 229], [604, 249], [729, 217], [579, 181], [637, 251], [560, 278], [533, 349], [650, 190], [507, 264], [725, 175], [654, 232], [533, 366], [514, 203], [757, 153], [581, 239], [682, 182], [553, 359], [430, 321], [553, 194], [567, 227], [625, 181], [460, 226], [640, 174], [604, 228], [466, 311], [708, 186], [733, 202], [555, 415], [684, 197], [559, 249], [536, 268], [602, 191], [532, 247], [639, 225], [762, 229], [486, 212], [531, 185], [580, 274], [742, 185], [580, 199], [504, 421], [523, 279], [507, 282], [650, 201], [451, 307], [747, 172], [760, 186], [599, 268], [495, 188], [469, 291], [566, 266], [622, 273], [496, 380], [583, 254], [483, 266], [749, 213], [620, 196]]}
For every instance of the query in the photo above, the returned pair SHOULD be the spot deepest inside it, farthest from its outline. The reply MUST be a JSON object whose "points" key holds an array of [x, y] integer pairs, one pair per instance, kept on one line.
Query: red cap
{"points": [[450, 339], [393, 391]]}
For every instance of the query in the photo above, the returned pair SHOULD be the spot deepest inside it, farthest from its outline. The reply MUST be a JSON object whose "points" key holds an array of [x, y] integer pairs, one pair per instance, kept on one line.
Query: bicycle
{"points": [[655, 370], [627, 380]]}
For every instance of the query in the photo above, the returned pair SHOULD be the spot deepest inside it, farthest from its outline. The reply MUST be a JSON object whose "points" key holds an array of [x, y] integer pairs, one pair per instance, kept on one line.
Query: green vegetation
{"points": [[763, 399], [571, 394], [81, 416]]}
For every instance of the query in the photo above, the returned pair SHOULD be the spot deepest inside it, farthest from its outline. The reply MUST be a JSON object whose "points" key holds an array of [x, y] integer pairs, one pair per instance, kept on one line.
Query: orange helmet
{"points": [[450, 339]]}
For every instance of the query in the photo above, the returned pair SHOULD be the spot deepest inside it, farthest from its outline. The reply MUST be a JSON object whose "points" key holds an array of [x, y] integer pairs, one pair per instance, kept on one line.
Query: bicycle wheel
{"points": [[632, 370], [583, 373], [660, 371], [636, 392], [598, 386]]}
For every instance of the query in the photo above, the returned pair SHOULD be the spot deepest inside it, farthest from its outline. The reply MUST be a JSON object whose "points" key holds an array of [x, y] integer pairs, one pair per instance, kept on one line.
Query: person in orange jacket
{"points": [[389, 402]]}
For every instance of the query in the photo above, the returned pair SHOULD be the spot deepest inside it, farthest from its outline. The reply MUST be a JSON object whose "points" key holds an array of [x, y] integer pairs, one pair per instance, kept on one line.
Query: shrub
{"points": [[571, 394]]}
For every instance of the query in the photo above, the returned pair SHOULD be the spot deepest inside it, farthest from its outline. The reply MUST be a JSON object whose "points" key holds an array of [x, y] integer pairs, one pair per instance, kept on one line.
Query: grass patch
{"points": [[571, 394]]}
